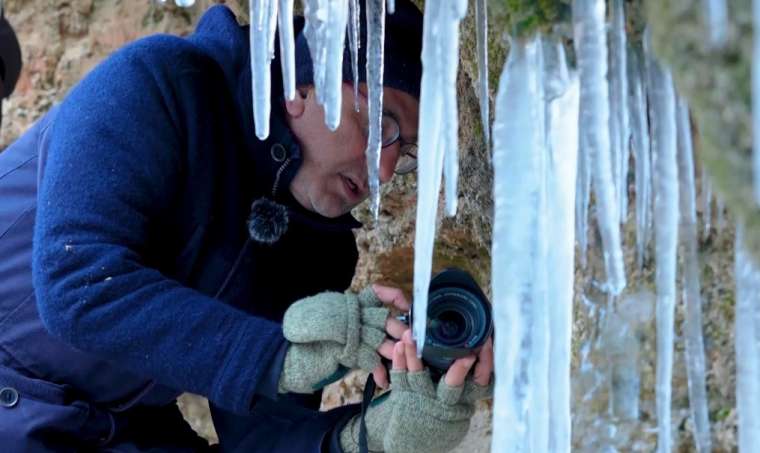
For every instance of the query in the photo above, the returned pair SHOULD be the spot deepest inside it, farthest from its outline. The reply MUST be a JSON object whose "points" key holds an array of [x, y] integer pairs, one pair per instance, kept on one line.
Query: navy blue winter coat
{"points": [[137, 188]]}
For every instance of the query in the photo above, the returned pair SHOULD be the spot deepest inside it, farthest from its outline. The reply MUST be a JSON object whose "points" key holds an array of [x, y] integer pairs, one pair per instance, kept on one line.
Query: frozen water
{"points": [[695, 349], [180, 3], [621, 349], [562, 90], [641, 152], [452, 14], [391, 6], [262, 43], [336, 39], [716, 18], [747, 346], [519, 245], [354, 42], [666, 236], [619, 127], [287, 48], [375, 10], [481, 28], [706, 202], [316, 13], [582, 199], [591, 50], [437, 137]]}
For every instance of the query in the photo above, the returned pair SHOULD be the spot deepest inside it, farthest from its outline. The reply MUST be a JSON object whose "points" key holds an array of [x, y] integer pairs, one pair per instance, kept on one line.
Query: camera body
{"points": [[459, 319]]}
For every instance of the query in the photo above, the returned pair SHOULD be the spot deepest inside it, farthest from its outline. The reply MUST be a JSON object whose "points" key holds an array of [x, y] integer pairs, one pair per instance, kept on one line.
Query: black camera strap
{"points": [[369, 392]]}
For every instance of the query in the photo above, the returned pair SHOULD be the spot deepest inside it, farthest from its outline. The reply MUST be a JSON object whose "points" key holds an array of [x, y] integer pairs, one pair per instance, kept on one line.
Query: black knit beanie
{"points": [[402, 56]]}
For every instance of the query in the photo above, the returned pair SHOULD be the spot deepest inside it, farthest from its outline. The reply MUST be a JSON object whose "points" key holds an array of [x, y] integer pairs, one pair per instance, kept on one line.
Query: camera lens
{"points": [[449, 327], [455, 319], [458, 319]]}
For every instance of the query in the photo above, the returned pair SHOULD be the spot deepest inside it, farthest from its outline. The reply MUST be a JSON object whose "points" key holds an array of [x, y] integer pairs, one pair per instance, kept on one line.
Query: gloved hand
{"points": [[329, 330], [418, 416]]}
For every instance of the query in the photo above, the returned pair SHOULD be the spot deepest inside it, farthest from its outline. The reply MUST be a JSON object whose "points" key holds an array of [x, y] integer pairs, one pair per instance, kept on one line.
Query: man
{"points": [[173, 251]]}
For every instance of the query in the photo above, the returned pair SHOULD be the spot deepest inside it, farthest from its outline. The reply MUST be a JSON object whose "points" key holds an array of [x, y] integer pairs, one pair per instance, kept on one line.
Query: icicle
{"points": [[716, 20], [562, 93], [621, 350], [287, 49], [262, 41], [375, 11], [591, 42], [619, 128], [391, 6], [695, 348], [747, 346], [666, 235], [336, 39], [481, 29], [453, 14], [184, 3], [316, 13], [756, 97], [519, 242], [354, 42], [583, 198], [437, 138], [706, 202], [640, 140]]}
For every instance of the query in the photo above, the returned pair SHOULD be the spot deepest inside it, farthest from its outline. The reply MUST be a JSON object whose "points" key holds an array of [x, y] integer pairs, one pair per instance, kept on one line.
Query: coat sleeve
{"points": [[113, 167]]}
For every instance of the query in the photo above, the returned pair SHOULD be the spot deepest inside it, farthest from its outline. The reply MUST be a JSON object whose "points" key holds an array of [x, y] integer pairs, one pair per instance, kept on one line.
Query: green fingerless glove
{"points": [[329, 330], [376, 418], [415, 416], [425, 418]]}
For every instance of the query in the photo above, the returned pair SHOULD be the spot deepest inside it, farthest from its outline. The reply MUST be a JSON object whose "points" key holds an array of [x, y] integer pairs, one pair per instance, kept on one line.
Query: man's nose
{"points": [[388, 159]]}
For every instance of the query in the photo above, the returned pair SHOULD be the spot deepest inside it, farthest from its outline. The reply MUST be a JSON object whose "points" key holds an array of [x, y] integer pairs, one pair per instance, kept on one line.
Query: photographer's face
{"points": [[333, 176]]}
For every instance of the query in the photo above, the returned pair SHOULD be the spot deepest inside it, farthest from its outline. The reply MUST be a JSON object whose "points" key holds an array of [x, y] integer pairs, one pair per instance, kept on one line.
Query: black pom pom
{"points": [[268, 221]]}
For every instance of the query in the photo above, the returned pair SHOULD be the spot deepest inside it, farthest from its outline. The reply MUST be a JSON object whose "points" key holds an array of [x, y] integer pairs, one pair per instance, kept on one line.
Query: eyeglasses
{"points": [[391, 133]]}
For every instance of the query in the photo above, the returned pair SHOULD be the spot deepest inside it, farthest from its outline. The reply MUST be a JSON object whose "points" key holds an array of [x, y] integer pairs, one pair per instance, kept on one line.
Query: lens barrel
{"points": [[459, 318]]}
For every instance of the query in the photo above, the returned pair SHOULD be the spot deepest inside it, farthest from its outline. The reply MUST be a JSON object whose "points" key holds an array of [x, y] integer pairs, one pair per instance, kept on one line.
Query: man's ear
{"points": [[296, 107]]}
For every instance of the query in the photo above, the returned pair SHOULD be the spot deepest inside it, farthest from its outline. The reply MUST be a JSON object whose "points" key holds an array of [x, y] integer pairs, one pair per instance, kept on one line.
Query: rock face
{"points": [[61, 41]]}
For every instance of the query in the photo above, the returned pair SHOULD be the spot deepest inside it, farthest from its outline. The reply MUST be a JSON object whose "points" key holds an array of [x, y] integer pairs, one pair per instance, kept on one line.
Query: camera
{"points": [[459, 319]]}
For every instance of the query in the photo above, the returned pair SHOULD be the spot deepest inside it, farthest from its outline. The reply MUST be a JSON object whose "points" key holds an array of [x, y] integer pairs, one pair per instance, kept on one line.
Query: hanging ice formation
{"points": [[519, 159], [706, 203], [375, 13], [184, 3], [716, 20], [591, 50], [287, 49], [619, 128], [534, 155], [391, 6], [641, 151], [747, 346], [438, 139], [562, 95], [695, 349], [325, 31], [666, 236], [481, 28], [263, 14], [354, 43]]}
